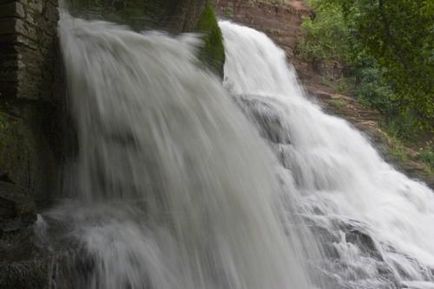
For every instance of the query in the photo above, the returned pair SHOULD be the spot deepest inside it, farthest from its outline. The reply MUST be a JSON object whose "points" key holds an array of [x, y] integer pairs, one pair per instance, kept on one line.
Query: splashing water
{"points": [[174, 188], [375, 224]]}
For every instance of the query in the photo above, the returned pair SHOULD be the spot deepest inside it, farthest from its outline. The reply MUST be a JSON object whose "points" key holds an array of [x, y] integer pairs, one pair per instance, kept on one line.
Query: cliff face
{"points": [[171, 15], [281, 21]]}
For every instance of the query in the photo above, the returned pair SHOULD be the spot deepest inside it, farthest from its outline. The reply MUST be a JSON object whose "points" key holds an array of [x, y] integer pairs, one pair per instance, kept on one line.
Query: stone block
{"points": [[27, 37], [12, 9]]}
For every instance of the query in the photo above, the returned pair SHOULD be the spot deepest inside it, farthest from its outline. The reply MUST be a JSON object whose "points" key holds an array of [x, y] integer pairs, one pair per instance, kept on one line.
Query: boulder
{"points": [[266, 116]]}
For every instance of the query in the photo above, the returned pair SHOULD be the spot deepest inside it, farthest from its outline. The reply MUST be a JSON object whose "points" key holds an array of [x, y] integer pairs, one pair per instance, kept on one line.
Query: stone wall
{"points": [[29, 135], [27, 48], [29, 121]]}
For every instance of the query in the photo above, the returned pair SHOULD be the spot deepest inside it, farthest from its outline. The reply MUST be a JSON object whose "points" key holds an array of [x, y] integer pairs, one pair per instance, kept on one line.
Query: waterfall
{"points": [[172, 187], [376, 225], [182, 182]]}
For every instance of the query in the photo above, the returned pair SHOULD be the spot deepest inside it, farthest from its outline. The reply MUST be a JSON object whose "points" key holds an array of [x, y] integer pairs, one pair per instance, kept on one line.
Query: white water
{"points": [[173, 187], [376, 225]]}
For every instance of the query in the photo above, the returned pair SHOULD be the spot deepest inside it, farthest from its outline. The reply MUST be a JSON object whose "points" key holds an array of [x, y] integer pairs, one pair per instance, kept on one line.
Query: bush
{"points": [[389, 60]]}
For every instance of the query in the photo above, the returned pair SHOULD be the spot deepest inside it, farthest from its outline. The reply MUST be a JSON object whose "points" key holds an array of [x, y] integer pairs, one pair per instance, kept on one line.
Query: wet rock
{"points": [[326, 238], [31, 149], [172, 15], [22, 263], [356, 234], [266, 117], [364, 242], [32, 274], [4, 177], [17, 210]]}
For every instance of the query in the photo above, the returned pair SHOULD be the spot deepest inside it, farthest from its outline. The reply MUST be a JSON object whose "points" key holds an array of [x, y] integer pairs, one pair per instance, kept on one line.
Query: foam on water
{"points": [[376, 224], [172, 186]]}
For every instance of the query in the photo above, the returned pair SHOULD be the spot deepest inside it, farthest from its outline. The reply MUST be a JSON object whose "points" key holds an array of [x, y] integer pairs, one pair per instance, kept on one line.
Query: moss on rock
{"points": [[212, 52], [171, 15]]}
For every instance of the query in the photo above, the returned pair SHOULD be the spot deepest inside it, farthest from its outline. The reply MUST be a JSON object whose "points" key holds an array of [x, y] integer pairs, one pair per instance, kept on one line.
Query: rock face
{"points": [[174, 16], [19, 265], [279, 20], [16, 208], [266, 117], [27, 149], [171, 15]]}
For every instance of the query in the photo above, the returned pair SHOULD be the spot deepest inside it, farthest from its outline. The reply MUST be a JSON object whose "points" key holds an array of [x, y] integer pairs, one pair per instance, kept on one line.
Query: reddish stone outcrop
{"points": [[280, 21]]}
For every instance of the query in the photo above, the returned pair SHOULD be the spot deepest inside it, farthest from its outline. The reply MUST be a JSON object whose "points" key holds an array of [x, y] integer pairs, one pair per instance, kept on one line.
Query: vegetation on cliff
{"points": [[387, 50], [212, 52], [171, 15]]}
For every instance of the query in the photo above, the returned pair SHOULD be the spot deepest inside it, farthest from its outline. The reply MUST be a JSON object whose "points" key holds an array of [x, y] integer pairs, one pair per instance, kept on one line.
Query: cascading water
{"points": [[173, 187], [376, 225]]}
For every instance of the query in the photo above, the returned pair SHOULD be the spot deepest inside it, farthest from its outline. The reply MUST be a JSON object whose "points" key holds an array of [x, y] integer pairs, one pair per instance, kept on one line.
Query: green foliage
{"points": [[427, 156], [399, 35], [327, 37], [338, 103], [387, 47], [154, 13], [212, 53]]}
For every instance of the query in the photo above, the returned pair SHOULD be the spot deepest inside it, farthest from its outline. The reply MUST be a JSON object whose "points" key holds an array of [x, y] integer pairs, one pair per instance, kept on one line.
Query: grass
{"points": [[427, 156], [338, 103], [397, 149]]}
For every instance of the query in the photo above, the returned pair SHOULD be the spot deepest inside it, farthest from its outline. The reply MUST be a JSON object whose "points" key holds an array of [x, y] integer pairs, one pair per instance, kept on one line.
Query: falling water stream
{"points": [[182, 182], [376, 225], [173, 187]]}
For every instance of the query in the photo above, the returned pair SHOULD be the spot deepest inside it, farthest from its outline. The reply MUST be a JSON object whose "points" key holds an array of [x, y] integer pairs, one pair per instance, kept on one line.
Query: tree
{"points": [[399, 35]]}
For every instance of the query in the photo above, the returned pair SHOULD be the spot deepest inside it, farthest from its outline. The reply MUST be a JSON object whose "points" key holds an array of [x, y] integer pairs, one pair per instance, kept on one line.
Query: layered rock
{"points": [[280, 20]]}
